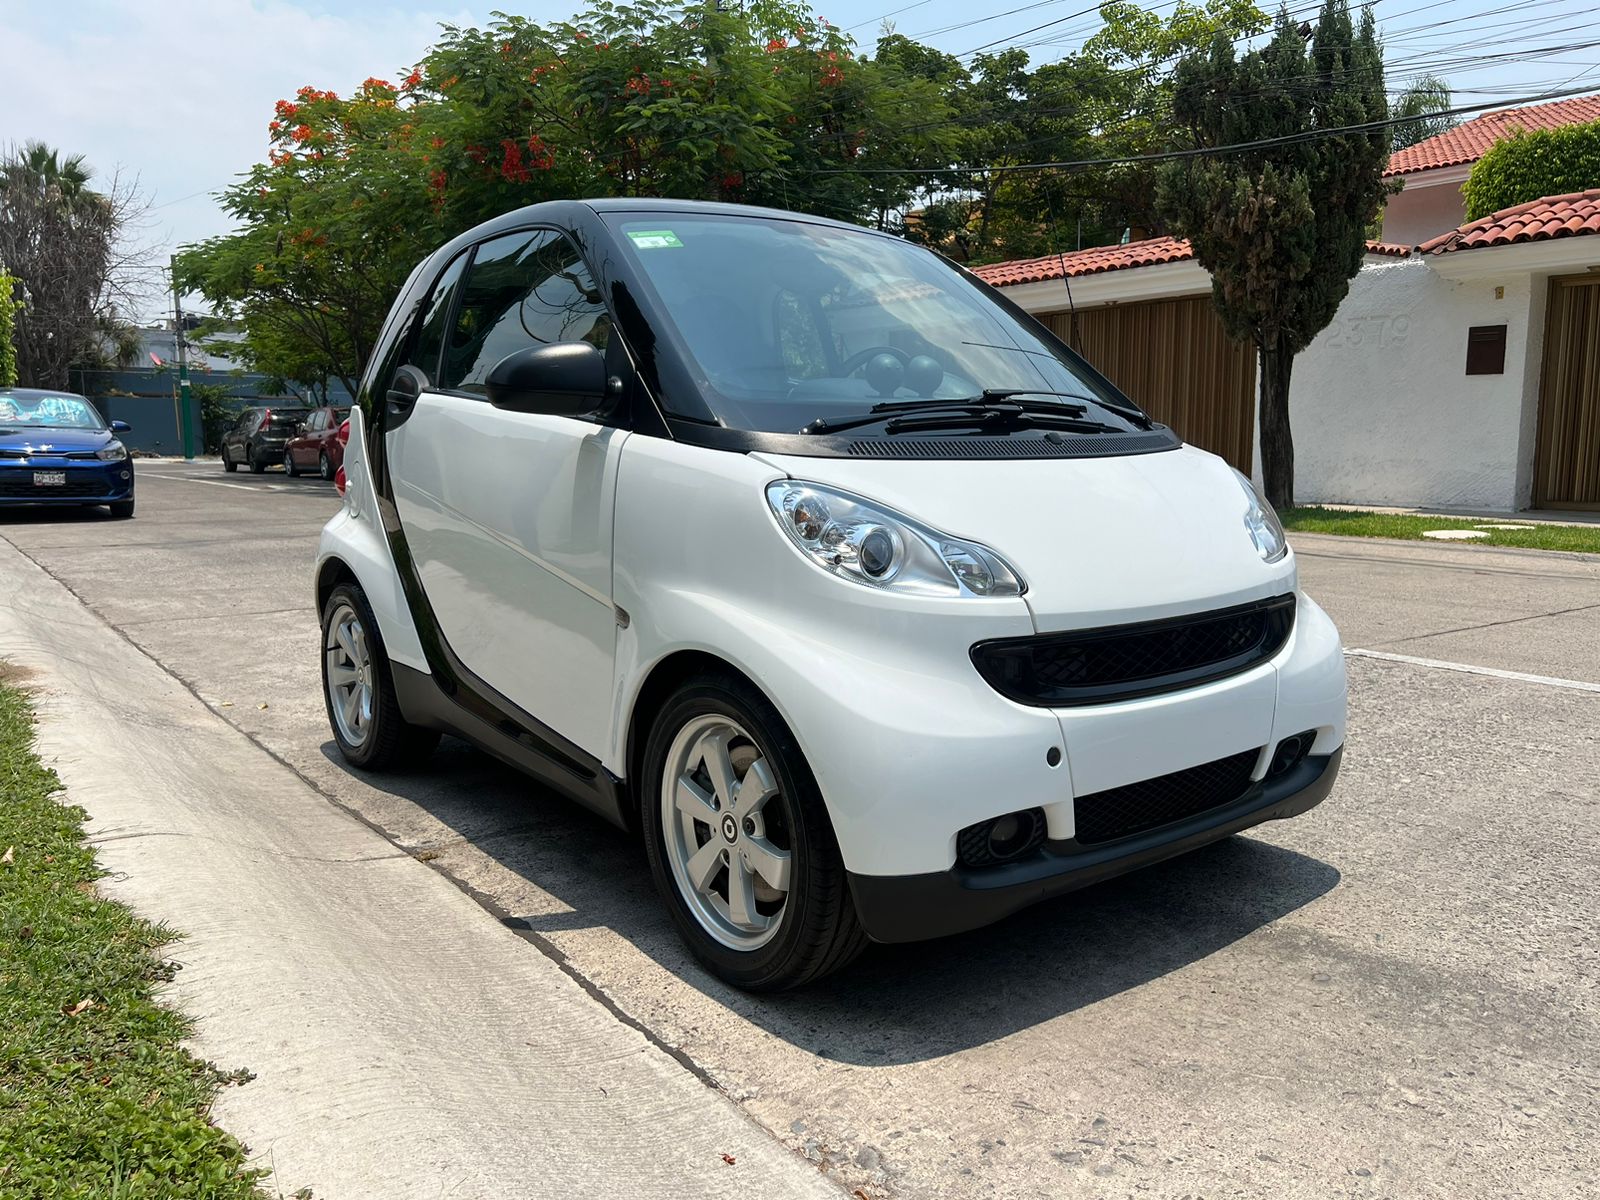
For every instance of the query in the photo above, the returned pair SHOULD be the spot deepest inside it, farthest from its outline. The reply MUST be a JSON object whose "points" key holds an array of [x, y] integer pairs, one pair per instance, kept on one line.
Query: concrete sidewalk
{"points": [[373, 999]]}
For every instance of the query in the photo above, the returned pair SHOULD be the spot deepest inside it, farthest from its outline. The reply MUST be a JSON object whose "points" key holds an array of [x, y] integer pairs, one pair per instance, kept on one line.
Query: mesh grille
{"points": [[1097, 445], [24, 487], [1098, 665], [972, 843], [1137, 807]]}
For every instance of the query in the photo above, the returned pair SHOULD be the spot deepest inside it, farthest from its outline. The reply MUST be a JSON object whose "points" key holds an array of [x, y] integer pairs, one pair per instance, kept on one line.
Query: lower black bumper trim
{"points": [[910, 908]]}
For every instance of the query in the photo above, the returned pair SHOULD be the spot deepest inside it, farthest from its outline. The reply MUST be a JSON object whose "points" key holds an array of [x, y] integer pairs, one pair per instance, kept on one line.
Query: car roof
{"points": [[41, 393], [567, 213]]}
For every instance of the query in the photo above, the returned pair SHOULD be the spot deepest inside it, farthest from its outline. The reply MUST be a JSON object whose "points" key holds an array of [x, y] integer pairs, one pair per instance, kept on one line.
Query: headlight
{"points": [[1265, 530], [866, 543], [114, 452]]}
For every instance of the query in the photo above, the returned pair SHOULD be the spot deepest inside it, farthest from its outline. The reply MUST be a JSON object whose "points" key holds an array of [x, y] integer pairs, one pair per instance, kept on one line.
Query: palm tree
{"points": [[43, 167], [1419, 102]]}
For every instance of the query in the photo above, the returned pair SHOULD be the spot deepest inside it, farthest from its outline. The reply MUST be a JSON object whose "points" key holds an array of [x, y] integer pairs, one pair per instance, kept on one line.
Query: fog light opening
{"points": [[1001, 839], [1291, 750]]}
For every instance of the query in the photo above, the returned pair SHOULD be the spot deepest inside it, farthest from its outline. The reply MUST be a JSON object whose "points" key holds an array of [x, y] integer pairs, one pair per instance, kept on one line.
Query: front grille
{"points": [[1151, 803], [1119, 662], [23, 487]]}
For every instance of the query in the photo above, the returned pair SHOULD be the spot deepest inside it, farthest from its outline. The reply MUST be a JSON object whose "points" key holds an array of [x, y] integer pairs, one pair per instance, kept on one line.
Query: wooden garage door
{"points": [[1174, 358], [1567, 464]]}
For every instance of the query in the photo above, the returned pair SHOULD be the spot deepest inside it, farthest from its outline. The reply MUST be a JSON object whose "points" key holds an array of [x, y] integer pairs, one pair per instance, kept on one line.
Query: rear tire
{"points": [[709, 837], [227, 461], [288, 464], [121, 510], [358, 689], [256, 465]]}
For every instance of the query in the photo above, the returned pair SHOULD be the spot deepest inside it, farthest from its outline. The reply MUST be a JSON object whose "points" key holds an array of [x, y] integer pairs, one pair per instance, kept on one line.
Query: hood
{"points": [[1099, 541], [36, 441]]}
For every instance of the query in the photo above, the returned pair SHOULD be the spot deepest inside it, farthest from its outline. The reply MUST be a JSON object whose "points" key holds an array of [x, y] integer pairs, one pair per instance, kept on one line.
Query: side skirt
{"points": [[541, 753]]}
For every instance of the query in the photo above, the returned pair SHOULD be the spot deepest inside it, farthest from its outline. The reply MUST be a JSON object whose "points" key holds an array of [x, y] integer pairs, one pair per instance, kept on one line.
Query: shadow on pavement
{"points": [[896, 1004], [54, 514]]}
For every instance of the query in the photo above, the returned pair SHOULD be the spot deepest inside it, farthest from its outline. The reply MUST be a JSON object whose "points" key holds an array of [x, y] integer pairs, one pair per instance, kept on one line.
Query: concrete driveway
{"points": [[1395, 995]]}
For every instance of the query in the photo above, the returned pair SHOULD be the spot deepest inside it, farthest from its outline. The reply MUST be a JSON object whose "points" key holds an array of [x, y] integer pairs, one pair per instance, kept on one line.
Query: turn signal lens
{"points": [[339, 480], [865, 542], [344, 434]]}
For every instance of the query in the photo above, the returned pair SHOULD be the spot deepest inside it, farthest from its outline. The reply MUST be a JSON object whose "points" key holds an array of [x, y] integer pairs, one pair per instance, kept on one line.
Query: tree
{"points": [[10, 303], [1281, 227], [1532, 164], [760, 104], [1422, 101], [68, 246]]}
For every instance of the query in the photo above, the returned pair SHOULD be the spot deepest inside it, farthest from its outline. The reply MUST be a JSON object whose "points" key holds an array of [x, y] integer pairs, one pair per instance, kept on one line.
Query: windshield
{"points": [[791, 322], [48, 412]]}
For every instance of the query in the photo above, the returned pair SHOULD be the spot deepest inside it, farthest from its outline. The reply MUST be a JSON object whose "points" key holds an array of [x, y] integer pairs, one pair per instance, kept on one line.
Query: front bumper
{"points": [[85, 482], [907, 908]]}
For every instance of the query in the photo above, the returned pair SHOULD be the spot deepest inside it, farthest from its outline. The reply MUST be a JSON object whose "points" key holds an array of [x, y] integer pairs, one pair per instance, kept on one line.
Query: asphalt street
{"points": [[1393, 996]]}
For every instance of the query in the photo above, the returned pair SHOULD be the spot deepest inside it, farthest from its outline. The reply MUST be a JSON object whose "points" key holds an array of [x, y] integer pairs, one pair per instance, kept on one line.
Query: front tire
{"points": [[358, 689], [121, 510], [739, 840], [288, 464], [227, 462], [325, 466]]}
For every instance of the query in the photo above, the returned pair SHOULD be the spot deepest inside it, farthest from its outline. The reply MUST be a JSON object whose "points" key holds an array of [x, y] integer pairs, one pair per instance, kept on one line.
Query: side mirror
{"points": [[408, 383], [121, 427], [563, 379]]}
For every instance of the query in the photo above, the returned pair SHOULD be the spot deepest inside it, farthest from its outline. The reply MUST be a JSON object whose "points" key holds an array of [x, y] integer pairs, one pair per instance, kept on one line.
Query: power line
{"points": [[1197, 152]]}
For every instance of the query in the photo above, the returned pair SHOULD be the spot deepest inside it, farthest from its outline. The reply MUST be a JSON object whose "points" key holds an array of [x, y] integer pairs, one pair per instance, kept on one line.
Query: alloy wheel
{"points": [[727, 832], [349, 674]]}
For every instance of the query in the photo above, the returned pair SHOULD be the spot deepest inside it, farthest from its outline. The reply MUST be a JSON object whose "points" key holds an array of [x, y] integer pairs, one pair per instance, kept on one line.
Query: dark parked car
{"points": [[56, 449], [317, 446], [258, 437]]}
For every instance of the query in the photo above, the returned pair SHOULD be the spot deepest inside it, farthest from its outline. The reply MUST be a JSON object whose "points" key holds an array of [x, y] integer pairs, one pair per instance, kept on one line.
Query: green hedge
{"points": [[1530, 165], [8, 326]]}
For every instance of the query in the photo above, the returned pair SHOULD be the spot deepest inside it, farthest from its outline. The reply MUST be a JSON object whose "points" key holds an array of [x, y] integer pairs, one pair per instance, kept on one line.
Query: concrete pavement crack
{"points": [[1418, 637]]}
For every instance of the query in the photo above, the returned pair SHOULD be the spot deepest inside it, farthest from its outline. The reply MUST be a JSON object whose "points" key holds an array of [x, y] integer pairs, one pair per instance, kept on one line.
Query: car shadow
{"points": [[896, 1004], [53, 514]]}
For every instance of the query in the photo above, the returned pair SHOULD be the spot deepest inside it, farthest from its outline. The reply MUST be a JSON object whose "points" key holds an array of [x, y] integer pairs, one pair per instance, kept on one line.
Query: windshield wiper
{"points": [[994, 409]]}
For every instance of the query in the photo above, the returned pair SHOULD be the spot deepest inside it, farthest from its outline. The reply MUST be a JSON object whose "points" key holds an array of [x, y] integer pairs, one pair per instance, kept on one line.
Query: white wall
{"points": [[1419, 212], [1383, 411]]}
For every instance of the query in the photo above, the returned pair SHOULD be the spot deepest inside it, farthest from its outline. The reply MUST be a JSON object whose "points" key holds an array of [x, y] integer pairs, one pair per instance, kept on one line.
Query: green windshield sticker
{"points": [[655, 239]]}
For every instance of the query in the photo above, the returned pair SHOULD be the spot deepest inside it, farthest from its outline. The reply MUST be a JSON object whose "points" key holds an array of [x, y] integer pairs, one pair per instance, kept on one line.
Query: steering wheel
{"points": [[862, 357]]}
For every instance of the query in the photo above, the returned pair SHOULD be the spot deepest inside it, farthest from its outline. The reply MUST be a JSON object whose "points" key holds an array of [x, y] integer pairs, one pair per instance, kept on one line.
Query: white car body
{"points": [[566, 564]]}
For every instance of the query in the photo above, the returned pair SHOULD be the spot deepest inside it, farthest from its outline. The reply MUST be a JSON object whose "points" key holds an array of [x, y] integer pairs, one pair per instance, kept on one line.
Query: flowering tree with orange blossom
{"points": [[639, 99]]}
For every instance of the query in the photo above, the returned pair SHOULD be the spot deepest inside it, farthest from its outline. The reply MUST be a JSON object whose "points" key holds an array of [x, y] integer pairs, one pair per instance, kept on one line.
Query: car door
{"points": [[307, 443], [508, 514], [234, 438]]}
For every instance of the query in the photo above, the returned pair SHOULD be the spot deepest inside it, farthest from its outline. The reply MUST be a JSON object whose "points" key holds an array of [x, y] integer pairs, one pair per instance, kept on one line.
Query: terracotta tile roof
{"points": [[1467, 142], [1537, 221], [1096, 259], [1090, 261]]}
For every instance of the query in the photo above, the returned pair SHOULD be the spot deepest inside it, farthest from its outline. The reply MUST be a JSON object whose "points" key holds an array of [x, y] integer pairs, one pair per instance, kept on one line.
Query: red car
{"points": [[316, 446]]}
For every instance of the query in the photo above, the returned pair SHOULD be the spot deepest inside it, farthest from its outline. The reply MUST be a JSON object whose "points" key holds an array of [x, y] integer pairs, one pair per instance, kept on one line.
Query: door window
{"points": [[524, 289], [435, 319]]}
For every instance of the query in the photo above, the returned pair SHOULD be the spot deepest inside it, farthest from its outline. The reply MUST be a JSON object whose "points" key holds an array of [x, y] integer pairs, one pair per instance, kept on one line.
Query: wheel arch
{"points": [[664, 678]]}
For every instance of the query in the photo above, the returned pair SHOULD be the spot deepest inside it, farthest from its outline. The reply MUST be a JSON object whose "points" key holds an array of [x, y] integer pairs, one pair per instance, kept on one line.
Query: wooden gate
{"points": [[1566, 468], [1174, 358]]}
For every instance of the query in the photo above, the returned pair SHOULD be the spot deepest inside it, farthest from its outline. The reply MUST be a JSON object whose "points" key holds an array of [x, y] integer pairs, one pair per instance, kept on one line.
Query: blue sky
{"points": [[179, 92]]}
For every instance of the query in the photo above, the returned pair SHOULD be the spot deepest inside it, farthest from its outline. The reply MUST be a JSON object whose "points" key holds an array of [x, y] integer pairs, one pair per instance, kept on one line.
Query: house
{"points": [[1453, 376]]}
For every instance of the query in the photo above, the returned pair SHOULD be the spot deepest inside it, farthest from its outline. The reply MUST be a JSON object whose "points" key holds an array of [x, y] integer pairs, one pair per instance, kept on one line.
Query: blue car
{"points": [[56, 449]]}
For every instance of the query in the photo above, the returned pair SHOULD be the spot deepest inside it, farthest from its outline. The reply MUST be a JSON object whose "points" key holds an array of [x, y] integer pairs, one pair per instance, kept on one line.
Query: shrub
{"points": [[1530, 165], [8, 322]]}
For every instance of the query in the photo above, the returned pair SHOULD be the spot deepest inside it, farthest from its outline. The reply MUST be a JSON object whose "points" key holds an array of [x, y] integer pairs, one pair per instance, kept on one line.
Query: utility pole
{"points": [[185, 425]]}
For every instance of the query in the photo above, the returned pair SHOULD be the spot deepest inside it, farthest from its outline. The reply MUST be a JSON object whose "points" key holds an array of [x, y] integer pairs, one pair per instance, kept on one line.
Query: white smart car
{"points": [[867, 603]]}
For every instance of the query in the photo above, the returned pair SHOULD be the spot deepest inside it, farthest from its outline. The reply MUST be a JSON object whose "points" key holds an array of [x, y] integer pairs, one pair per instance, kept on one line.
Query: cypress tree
{"points": [[1281, 228]]}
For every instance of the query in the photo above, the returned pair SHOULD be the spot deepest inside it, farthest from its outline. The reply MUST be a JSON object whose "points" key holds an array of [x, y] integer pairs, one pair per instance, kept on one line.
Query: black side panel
{"points": [[425, 702]]}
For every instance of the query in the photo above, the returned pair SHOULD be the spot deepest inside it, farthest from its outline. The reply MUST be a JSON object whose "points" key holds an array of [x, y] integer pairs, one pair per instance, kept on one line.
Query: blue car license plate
{"points": [[49, 479]]}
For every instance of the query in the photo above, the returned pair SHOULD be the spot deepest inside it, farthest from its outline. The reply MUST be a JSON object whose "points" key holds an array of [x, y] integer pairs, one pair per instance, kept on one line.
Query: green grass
{"points": [[1312, 519], [97, 1099]]}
